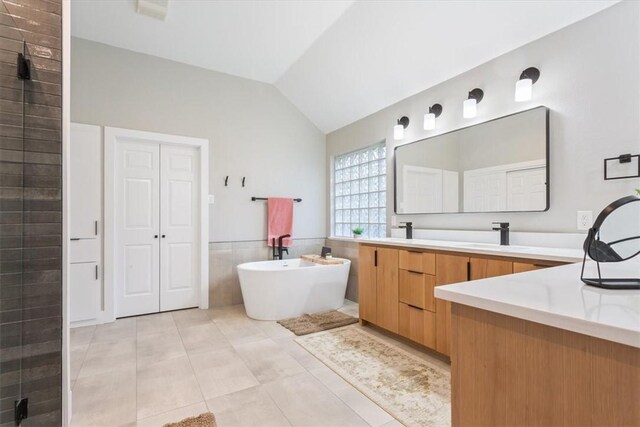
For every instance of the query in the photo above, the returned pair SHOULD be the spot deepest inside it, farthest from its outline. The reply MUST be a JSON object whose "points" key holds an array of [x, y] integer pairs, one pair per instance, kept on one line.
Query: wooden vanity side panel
{"points": [[508, 371], [367, 292]]}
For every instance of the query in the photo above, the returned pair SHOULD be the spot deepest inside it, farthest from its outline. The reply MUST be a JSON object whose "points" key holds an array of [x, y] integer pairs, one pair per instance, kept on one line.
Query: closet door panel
{"points": [[180, 229], [137, 228]]}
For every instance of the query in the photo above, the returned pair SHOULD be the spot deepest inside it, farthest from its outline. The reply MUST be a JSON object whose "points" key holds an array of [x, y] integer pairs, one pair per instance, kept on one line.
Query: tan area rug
{"points": [[203, 420], [414, 391], [310, 323]]}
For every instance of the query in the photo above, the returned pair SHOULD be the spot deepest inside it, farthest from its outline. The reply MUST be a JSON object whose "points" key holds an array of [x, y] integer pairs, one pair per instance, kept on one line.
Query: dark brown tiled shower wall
{"points": [[31, 212]]}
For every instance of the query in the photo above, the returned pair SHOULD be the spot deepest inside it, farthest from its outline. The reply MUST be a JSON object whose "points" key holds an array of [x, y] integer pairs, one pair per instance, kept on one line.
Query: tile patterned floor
{"points": [[149, 370]]}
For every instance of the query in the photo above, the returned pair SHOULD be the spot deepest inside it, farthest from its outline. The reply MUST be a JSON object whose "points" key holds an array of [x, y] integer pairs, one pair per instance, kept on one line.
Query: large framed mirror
{"points": [[497, 166]]}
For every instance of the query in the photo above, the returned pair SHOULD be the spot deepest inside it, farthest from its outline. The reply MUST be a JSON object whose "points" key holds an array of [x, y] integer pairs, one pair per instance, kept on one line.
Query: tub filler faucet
{"points": [[279, 251]]}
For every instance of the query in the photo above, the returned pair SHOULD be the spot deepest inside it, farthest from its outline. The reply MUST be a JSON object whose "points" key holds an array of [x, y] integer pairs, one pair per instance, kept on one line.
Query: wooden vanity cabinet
{"points": [[397, 288], [378, 293]]}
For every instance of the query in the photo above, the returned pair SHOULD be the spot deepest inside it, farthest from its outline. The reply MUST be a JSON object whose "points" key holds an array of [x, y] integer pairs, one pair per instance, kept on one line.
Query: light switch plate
{"points": [[585, 220]]}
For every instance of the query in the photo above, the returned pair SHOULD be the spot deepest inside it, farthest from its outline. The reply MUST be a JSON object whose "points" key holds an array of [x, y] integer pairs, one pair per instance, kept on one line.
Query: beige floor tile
{"points": [[250, 407], [81, 336], [191, 317], [107, 356], [118, 330], [306, 402], [221, 372], [157, 347], [77, 355], [393, 423], [350, 308], [105, 400], [198, 339], [155, 323], [274, 330], [165, 386], [302, 356], [240, 332], [174, 415], [268, 361]]}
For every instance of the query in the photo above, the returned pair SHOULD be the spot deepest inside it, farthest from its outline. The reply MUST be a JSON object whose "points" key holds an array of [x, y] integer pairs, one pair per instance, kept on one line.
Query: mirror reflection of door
{"points": [[430, 190], [495, 166]]}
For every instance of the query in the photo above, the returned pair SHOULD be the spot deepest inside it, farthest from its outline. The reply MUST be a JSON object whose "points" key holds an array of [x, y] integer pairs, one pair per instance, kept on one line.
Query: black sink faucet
{"points": [[503, 228], [409, 227], [281, 250]]}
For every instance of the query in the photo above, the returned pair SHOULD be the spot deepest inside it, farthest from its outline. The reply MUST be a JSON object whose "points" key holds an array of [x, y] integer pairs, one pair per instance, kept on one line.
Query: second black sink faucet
{"points": [[409, 227], [503, 228]]}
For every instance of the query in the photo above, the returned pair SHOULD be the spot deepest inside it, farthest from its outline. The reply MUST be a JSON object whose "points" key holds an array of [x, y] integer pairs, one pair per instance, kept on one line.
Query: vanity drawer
{"points": [[416, 289], [419, 262], [417, 325]]}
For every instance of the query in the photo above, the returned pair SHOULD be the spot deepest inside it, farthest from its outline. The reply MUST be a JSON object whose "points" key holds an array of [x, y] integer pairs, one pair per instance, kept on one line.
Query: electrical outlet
{"points": [[585, 220]]}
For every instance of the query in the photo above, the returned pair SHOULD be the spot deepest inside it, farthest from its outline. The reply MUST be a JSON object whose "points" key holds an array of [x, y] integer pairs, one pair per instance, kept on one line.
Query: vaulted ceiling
{"points": [[337, 61]]}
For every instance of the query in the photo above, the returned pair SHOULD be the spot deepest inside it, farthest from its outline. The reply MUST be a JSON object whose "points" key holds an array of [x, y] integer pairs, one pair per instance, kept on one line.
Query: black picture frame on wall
{"points": [[547, 157]]}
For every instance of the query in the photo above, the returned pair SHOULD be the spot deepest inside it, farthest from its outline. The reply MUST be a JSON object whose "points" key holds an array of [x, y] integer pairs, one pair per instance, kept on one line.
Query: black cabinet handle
{"points": [[375, 258], [155, 236], [163, 236], [96, 272], [96, 227], [74, 238], [468, 270]]}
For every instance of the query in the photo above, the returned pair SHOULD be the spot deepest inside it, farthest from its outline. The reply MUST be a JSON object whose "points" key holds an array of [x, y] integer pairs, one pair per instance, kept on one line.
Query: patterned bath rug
{"points": [[203, 420], [310, 323], [412, 390]]}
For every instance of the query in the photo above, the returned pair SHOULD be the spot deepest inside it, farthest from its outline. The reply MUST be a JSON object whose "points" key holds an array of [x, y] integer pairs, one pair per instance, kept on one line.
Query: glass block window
{"points": [[359, 192]]}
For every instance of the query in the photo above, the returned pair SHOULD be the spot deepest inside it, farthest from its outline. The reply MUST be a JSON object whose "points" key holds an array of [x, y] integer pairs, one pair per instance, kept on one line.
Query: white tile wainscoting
{"points": [[224, 257]]}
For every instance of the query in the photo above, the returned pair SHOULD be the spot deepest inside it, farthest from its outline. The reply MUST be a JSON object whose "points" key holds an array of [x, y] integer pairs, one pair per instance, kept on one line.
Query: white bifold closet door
{"points": [[157, 227]]}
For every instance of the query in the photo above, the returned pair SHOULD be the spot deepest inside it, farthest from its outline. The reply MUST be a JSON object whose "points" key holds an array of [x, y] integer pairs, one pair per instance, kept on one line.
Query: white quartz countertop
{"points": [[557, 297], [540, 253]]}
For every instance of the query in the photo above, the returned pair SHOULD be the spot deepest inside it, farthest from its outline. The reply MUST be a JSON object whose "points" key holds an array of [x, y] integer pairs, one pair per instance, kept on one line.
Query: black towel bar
{"points": [[253, 199]]}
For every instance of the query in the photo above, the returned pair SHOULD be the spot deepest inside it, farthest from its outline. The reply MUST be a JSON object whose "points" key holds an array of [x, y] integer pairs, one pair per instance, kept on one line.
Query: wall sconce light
{"points": [[469, 106], [430, 118], [524, 88], [398, 129]]}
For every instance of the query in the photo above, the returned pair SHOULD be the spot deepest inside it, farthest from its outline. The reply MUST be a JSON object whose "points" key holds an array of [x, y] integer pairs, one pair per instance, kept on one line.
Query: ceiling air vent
{"points": [[153, 8]]}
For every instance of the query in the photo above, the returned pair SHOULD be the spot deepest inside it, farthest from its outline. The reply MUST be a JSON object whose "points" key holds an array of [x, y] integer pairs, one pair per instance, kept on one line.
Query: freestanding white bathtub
{"points": [[276, 290]]}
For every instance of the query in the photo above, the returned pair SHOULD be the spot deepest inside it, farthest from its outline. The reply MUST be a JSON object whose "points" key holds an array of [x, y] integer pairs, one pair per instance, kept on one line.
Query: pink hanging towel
{"points": [[280, 213]]}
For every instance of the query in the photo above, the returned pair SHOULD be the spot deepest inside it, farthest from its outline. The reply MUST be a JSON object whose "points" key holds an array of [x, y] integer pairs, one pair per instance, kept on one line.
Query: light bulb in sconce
{"points": [[524, 85], [430, 118], [398, 129], [470, 105]]}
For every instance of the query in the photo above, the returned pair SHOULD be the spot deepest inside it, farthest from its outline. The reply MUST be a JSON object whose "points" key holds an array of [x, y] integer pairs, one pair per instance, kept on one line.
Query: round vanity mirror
{"points": [[614, 237]]}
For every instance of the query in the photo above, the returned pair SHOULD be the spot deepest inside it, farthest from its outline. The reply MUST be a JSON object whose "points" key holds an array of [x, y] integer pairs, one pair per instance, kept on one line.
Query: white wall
{"points": [[253, 131], [590, 74]]}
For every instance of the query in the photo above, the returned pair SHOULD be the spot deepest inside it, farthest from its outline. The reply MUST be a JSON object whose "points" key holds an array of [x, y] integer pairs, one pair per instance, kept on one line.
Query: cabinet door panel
{"points": [[84, 292], [482, 268], [430, 334], [387, 289], [367, 297], [85, 183], [449, 269]]}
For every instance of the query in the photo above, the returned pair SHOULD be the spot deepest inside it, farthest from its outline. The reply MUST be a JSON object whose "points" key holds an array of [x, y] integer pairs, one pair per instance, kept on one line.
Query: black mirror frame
{"points": [[591, 242], [547, 178]]}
